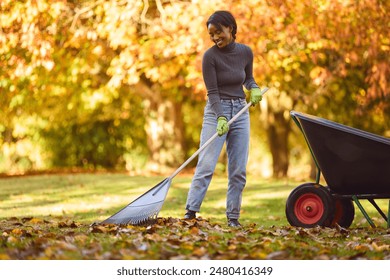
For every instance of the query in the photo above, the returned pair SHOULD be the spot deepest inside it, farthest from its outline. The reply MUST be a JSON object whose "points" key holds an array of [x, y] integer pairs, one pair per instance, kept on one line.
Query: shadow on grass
{"points": [[56, 194]]}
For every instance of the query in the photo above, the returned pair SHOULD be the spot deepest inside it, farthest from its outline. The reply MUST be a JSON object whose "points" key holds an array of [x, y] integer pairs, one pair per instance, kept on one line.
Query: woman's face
{"points": [[221, 36]]}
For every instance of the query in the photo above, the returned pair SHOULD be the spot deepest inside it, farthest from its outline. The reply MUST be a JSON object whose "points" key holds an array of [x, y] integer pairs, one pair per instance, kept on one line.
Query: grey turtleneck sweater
{"points": [[225, 71]]}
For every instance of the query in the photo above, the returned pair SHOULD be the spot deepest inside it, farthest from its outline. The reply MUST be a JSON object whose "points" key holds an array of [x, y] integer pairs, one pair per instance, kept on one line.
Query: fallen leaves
{"points": [[170, 238]]}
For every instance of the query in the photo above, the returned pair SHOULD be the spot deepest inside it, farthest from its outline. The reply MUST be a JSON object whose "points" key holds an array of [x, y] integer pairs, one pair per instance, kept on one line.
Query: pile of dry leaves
{"points": [[170, 238]]}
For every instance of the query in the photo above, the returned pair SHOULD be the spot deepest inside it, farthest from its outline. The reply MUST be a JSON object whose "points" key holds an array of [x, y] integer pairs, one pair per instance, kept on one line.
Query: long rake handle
{"points": [[212, 138]]}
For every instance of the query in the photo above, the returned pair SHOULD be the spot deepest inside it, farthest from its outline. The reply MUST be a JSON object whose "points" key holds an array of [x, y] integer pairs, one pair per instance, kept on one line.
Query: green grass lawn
{"points": [[93, 197], [37, 211]]}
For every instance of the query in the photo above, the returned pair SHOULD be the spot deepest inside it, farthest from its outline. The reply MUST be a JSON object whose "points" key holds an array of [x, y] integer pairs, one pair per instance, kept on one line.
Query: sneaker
{"points": [[234, 223], [190, 215]]}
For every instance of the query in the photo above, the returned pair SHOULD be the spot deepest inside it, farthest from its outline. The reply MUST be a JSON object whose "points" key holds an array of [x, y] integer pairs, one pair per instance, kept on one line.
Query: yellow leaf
{"points": [[81, 238], [49, 252], [17, 231], [194, 231], [187, 246], [258, 255], [200, 252], [362, 247], [4, 257], [36, 221], [241, 238], [380, 248]]}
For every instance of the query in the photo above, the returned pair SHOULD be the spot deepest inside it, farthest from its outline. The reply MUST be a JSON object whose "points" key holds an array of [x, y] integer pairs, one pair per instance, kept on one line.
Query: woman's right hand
{"points": [[222, 126]]}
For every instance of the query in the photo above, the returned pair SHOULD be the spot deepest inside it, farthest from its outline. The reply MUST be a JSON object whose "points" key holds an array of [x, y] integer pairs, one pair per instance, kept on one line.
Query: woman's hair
{"points": [[224, 18]]}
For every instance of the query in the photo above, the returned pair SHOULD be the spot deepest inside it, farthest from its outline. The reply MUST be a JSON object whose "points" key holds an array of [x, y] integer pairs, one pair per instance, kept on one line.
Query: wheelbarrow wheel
{"points": [[310, 205], [344, 213]]}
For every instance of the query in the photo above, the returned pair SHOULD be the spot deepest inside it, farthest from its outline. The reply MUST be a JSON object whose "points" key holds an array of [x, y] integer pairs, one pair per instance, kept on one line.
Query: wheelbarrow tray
{"points": [[352, 161]]}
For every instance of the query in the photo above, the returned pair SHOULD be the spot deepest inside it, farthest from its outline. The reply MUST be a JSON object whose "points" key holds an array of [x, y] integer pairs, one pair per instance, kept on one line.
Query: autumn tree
{"points": [[320, 57], [101, 83]]}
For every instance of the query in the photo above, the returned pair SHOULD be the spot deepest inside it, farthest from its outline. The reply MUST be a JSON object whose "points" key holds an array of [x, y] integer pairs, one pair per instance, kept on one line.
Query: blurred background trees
{"points": [[116, 84]]}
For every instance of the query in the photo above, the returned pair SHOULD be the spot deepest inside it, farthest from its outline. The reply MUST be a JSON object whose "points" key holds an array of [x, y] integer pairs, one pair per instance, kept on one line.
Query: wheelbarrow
{"points": [[355, 165]]}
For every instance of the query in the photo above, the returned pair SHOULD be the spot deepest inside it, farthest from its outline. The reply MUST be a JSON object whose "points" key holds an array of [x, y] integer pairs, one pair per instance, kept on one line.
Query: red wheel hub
{"points": [[309, 208]]}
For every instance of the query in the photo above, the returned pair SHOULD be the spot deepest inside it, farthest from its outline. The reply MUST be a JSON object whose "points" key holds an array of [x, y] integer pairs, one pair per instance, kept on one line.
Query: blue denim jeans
{"points": [[237, 146]]}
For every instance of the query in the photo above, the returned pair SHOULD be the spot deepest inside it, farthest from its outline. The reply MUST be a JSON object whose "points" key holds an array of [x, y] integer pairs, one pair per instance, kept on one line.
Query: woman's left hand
{"points": [[256, 95]]}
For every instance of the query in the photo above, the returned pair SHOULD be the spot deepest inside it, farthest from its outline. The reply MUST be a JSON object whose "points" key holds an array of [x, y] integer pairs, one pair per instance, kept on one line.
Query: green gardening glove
{"points": [[222, 126], [256, 95]]}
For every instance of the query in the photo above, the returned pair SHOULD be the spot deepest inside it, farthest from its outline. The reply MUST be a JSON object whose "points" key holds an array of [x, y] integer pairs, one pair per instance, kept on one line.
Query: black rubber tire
{"points": [[344, 213], [310, 205]]}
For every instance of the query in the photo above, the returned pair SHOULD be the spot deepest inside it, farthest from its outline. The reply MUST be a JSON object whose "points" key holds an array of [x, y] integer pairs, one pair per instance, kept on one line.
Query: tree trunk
{"points": [[278, 131], [164, 128], [164, 132]]}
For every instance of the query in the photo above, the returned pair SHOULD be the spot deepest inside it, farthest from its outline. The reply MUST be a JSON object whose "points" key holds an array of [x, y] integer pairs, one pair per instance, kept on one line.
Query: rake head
{"points": [[144, 209], [136, 215]]}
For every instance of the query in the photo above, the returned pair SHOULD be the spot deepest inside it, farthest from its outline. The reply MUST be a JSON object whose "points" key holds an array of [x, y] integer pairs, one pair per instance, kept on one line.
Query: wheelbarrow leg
{"points": [[378, 209], [388, 216], [318, 176], [363, 211]]}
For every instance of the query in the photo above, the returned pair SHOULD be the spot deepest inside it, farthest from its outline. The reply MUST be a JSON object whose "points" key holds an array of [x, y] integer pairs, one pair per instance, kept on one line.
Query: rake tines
{"points": [[143, 210], [136, 215]]}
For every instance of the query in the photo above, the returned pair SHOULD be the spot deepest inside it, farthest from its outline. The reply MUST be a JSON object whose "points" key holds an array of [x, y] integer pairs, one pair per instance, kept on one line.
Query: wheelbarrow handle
{"points": [[212, 138]]}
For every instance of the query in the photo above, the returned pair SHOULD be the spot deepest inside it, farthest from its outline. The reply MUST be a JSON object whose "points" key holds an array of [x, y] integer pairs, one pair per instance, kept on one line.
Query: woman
{"points": [[226, 68]]}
